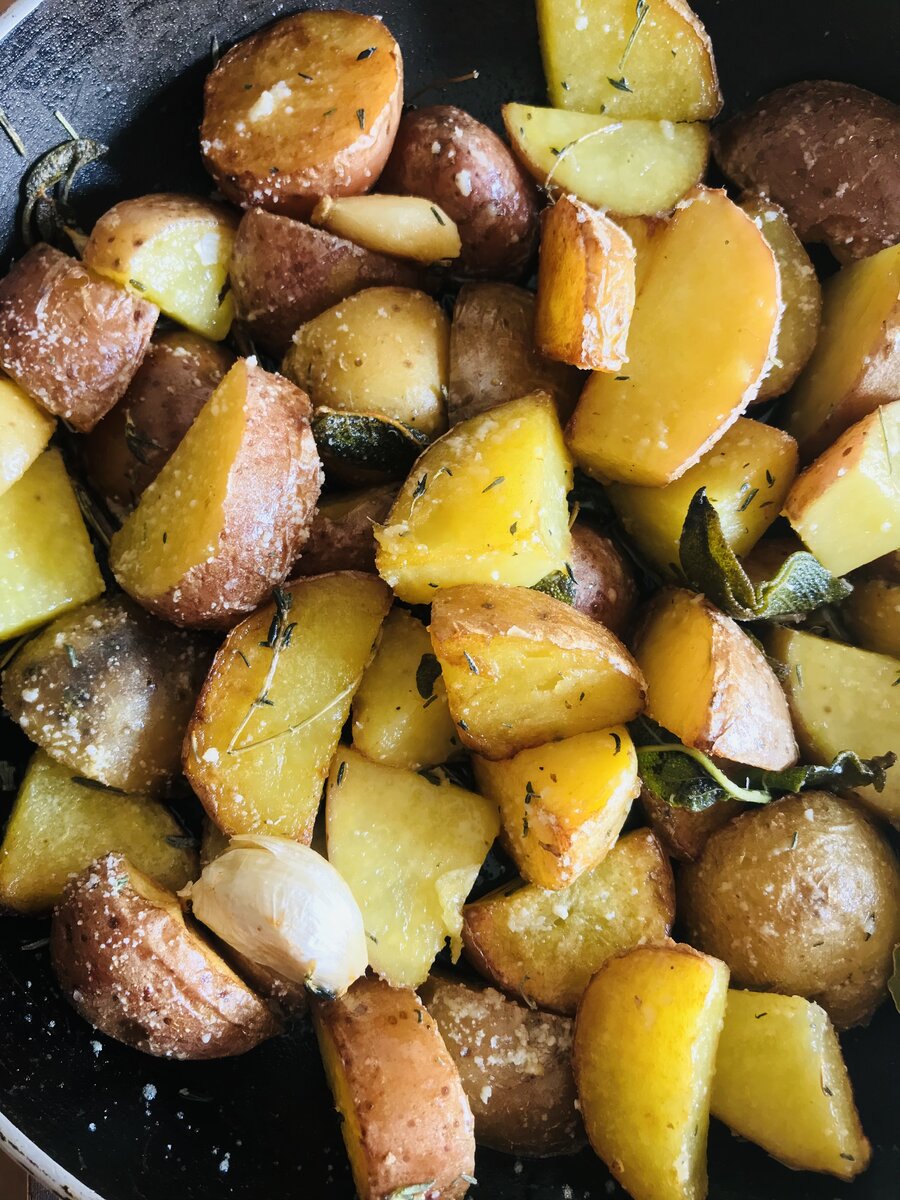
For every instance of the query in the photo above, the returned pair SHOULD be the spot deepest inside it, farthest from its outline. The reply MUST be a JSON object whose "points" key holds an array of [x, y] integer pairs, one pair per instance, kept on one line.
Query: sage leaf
{"points": [[427, 674], [46, 213], [558, 584]]}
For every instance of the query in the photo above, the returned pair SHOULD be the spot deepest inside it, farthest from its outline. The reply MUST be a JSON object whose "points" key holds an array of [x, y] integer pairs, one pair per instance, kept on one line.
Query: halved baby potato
{"points": [[25, 429], [402, 226]]}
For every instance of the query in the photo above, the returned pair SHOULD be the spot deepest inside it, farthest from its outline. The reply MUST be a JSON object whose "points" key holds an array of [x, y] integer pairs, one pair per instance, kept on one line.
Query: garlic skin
{"points": [[284, 906]]}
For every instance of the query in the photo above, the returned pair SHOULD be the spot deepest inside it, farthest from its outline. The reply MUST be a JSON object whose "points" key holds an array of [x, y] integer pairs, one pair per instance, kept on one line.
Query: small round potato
{"points": [[445, 155], [604, 582], [341, 537], [129, 964], [800, 897]]}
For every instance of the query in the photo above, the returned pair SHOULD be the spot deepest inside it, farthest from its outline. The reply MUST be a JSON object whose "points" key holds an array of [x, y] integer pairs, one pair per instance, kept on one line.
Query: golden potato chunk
{"points": [[781, 1082], [269, 717], [585, 294], [410, 849], [709, 683], [25, 429], [60, 822], [645, 1050], [303, 109], [872, 614], [562, 805], [402, 226], [701, 335], [47, 564], [544, 946]]}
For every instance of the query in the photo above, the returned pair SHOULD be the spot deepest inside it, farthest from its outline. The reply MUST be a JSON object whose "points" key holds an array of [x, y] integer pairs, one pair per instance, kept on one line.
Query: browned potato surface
{"points": [[284, 273], [303, 109], [447, 156], [604, 582], [515, 1066], [684, 833], [130, 964], [341, 536], [829, 154], [132, 444], [71, 339]]}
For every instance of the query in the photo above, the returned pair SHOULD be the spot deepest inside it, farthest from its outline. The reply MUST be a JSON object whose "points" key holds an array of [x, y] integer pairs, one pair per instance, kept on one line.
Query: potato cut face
{"points": [[747, 475], [400, 712], [781, 1082], [853, 368], [585, 294], [486, 503], [384, 350], [171, 250], [842, 698], [522, 669], [269, 717], [846, 507], [562, 805], [410, 850], [713, 287], [645, 1047], [403, 226], [872, 614], [662, 60], [47, 564], [633, 168], [58, 826], [25, 430], [544, 946]]}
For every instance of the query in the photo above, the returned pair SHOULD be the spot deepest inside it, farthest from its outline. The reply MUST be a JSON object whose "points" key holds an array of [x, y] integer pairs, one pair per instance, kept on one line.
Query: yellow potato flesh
{"points": [[668, 68], [393, 722], [57, 827], [259, 767], [682, 686], [633, 168], [645, 1045], [781, 1082], [410, 851], [403, 226], [486, 503], [562, 805], [747, 475], [342, 1094], [47, 564], [872, 614], [846, 507], [25, 430], [699, 340]]}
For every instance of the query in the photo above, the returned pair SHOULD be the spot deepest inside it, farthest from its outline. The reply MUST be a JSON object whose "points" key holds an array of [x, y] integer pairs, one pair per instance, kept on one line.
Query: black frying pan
{"points": [[262, 1127]]}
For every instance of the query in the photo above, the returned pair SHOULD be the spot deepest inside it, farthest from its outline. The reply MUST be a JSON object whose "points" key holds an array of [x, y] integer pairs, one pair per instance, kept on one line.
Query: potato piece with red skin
{"points": [[604, 582]]}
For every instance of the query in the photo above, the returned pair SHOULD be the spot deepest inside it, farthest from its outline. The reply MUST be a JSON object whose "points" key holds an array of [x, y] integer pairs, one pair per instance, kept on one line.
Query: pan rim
{"points": [[21, 1149]]}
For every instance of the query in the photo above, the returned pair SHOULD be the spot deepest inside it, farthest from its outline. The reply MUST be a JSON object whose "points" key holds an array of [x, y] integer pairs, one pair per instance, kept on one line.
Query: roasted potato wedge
{"points": [[230, 511], [174, 251], [128, 963], [709, 683], [300, 110], [872, 614], [800, 897], [604, 582], [268, 720], [402, 226], [50, 300], [61, 822], [380, 1047], [108, 692], [47, 564], [25, 430], [515, 1066], [781, 1082], [522, 669], [645, 1051], [342, 534], [544, 946], [410, 848]]}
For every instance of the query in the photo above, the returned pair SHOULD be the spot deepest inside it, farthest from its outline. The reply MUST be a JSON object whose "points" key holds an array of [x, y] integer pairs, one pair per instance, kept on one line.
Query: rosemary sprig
{"points": [[7, 126], [277, 640], [295, 728]]}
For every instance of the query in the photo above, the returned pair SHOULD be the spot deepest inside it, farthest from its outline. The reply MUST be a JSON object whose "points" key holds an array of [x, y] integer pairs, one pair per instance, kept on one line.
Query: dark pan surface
{"points": [[261, 1127]]}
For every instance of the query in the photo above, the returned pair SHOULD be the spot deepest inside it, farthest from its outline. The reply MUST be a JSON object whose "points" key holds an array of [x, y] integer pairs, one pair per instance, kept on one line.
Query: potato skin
{"points": [[476, 181], [604, 582], [130, 965], [829, 154], [800, 897], [71, 339], [345, 541], [132, 444], [284, 273], [683, 833]]}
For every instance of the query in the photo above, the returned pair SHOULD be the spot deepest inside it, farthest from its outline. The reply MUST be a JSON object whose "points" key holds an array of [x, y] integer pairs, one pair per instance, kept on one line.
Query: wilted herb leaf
{"points": [[558, 584], [427, 674]]}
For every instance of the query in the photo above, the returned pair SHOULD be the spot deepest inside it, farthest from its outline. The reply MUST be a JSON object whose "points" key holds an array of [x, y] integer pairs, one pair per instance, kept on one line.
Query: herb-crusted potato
{"points": [[130, 964], [71, 339], [522, 669], [445, 155], [25, 429], [303, 109], [544, 946], [403, 226], [342, 534], [800, 897], [230, 511], [405, 1118], [515, 1067], [61, 822], [108, 692]]}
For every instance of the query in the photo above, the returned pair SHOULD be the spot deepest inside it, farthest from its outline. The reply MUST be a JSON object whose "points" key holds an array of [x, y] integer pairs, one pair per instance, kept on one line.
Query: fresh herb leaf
{"points": [[751, 496], [473, 665], [7, 126], [46, 214], [559, 585], [367, 53], [621, 85], [427, 674], [303, 75], [618, 742], [361, 117], [342, 771], [495, 483], [74, 661], [641, 9], [437, 215]]}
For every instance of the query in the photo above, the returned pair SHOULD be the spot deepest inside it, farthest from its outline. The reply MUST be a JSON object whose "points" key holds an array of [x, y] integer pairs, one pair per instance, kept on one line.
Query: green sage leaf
{"points": [[558, 584]]}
